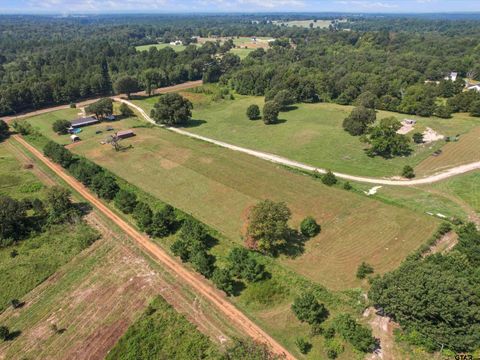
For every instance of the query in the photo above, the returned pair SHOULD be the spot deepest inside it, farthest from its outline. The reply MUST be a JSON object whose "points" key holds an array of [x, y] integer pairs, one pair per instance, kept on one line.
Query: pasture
{"points": [[313, 133], [217, 186], [322, 24]]}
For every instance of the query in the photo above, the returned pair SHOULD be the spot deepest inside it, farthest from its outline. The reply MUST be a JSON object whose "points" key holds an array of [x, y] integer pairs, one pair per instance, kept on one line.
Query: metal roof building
{"points": [[84, 121], [125, 134]]}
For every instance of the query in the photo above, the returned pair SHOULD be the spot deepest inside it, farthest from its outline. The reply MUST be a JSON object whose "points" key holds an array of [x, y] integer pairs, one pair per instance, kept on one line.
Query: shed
{"points": [[84, 121], [125, 134], [74, 138]]}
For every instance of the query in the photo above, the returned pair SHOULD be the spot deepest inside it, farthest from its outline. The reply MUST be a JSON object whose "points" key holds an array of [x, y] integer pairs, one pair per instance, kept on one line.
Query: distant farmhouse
{"points": [[453, 76], [176, 42], [84, 121]]}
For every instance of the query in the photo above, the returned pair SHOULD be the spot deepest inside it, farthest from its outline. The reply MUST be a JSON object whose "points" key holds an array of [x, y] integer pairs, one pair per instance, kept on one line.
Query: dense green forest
{"points": [[366, 60]]}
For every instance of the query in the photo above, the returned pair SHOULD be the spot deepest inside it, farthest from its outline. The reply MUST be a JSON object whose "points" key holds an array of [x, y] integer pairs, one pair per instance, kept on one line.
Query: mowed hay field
{"points": [[313, 133], [218, 186], [463, 151]]}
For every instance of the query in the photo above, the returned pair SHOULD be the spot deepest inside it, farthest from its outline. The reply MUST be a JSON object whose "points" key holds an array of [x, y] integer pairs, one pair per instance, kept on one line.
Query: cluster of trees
{"points": [[19, 218], [4, 130], [383, 138], [101, 108], [435, 299]]}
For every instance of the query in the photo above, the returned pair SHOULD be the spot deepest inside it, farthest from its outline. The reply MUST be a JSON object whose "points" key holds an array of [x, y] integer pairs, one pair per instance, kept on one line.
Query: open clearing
{"points": [[177, 48], [313, 134], [217, 186]]}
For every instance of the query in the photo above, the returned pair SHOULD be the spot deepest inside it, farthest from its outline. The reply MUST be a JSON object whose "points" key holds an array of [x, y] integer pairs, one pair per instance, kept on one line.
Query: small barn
{"points": [[125, 134], [74, 138], [84, 121]]}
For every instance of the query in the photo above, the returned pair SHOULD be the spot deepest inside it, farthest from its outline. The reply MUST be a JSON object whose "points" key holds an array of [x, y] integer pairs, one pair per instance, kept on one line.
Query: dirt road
{"points": [[296, 164], [195, 281], [84, 103]]}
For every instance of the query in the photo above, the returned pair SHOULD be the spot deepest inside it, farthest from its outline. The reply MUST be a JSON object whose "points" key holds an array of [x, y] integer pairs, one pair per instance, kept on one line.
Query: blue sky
{"points": [[162, 6]]}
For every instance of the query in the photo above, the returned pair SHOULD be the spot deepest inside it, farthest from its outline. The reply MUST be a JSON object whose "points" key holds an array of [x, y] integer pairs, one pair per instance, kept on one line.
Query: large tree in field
{"points": [[101, 108], [357, 122], [307, 309], [60, 206], [61, 126], [270, 112], [267, 228], [172, 109], [126, 85]]}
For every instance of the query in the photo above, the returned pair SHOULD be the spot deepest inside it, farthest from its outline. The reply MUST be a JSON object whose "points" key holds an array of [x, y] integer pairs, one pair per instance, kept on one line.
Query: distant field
{"points": [[313, 133], [240, 52], [305, 23], [217, 186], [177, 48]]}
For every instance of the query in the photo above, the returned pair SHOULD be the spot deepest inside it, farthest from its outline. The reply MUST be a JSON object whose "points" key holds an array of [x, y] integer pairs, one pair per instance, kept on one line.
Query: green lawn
{"points": [[312, 133], [240, 52]]}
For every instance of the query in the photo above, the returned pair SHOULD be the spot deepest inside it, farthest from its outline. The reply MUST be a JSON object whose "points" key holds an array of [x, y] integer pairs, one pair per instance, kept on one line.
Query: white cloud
{"points": [[369, 4]]}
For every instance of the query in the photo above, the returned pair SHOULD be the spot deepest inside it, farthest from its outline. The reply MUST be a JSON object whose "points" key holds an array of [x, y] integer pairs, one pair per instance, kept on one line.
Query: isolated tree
{"points": [[307, 309], [125, 110], [60, 206], [358, 335], [12, 218], [4, 333], [363, 270], [417, 138], [61, 126], [303, 345], [4, 132], [329, 178], [223, 280], [357, 122], [253, 112], [125, 201], [270, 112], [15, 303], [408, 172], [126, 85], [101, 108], [284, 98], [172, 109], [267, 226], [309, 227], [143, 215]]}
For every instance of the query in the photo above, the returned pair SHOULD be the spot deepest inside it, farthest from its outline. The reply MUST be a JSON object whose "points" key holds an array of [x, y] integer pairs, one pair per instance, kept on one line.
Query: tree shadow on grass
{"points": [[193, 123], [13, 335], [289, 108], [84, 208], [278, 122], [295, 245]]}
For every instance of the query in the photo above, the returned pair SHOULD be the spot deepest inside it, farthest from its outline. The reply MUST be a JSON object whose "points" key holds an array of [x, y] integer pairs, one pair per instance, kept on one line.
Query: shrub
{"points": [[332, 354], [244, 266], [363, 270], [359, 336], [347, 186], [307, 309], [329, 178], [15, 303], [4, 333], [417, 138], [303, 345], [253, 112], [203, 263], [329, 332], [309, 227], [408, 172], [143, 215]]}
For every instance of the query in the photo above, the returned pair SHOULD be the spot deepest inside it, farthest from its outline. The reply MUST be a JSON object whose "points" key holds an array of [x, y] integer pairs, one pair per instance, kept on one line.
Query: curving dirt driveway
{"points": [[195, 281], [296, 164]]}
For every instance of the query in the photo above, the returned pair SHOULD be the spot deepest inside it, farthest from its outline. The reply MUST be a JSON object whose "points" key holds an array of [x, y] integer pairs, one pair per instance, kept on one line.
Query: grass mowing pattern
{"points": [[162, 333]]}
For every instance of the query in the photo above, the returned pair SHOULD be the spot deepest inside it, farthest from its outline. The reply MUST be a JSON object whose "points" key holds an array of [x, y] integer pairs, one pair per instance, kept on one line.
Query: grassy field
{"points": [[218, 186], [322, 24], [312, 133], [163, 333], [40, 254]]}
